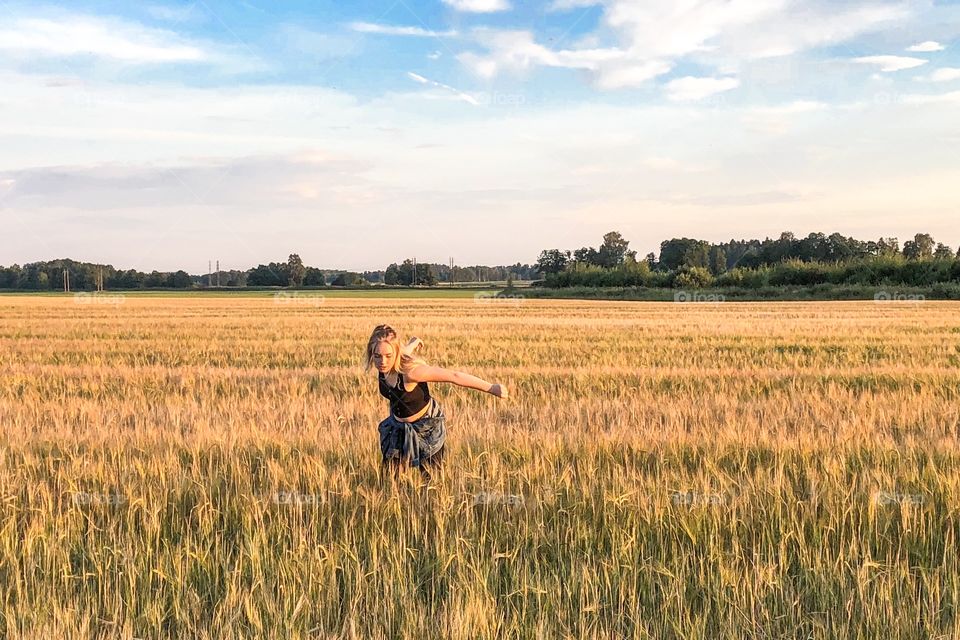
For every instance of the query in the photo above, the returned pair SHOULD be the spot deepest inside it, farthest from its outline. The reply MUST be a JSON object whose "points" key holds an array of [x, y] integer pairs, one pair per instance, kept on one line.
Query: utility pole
{"points": [[209, 272], [452, 278], [218, 273], [414, 271], [66, 281]]}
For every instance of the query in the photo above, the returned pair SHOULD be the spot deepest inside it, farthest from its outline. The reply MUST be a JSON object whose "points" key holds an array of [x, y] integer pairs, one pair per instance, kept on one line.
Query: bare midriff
{"points": [[415, 416]]}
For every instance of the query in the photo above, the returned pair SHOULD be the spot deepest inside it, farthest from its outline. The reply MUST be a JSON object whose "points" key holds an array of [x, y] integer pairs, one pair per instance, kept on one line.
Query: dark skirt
{"points": [[418, 443]]}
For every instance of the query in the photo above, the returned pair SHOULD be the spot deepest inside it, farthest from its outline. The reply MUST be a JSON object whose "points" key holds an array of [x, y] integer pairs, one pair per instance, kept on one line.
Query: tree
{"points": [[180, 280], [295, 271], [348, 279], [684, 252], [718, 260], [812, 247], [552, 261], [920, 248], [268, 275], [888, 247], [586, 255], [613, 251], [392, 275], [155, 279], [425, 275], [692, 278], [943, 252], [406, 273], [313, 277]]}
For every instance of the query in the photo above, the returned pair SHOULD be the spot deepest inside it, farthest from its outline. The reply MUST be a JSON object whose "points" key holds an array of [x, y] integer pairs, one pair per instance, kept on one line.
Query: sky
{"points": [[356, 134]]}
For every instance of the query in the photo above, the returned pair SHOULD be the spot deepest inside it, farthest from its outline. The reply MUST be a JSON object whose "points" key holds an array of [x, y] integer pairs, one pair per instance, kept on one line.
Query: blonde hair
{"points": [[407, 359]]}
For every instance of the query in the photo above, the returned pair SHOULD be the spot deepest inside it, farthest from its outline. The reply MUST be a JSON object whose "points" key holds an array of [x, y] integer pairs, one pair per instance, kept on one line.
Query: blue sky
{"points": [[162, 135]]}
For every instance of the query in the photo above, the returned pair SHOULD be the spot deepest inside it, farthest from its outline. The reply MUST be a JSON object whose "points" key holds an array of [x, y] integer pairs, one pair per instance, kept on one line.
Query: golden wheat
{"points": [[208, 468]]}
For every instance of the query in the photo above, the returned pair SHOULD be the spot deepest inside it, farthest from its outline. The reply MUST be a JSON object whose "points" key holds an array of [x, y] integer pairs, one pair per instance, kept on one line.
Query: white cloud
{"points": [[478, 6], [113, 39], [926, 47], [891, 63], [689, 88], [566, 5], [518, 51], [952, 97], [944, 74], [652, 36], [466, 97], [395, 30], [615, 76]]}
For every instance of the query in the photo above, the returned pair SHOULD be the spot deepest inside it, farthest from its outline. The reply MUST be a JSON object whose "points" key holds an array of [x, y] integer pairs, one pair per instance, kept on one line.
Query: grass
{"points": [[281, 294], [197, 467]]}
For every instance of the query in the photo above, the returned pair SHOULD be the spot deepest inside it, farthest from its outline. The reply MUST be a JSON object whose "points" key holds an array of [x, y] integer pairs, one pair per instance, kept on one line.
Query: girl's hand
{"points": [[500, 391]]}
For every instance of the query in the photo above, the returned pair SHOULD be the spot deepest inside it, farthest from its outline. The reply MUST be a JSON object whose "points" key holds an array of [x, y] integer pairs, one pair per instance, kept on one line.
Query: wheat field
{"points": [[192, 467]]}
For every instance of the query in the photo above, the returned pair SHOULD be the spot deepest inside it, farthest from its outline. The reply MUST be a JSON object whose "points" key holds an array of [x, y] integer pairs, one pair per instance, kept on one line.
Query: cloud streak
{"points": [[891, 63], [478, 6], [396, 30], [112, 39]]}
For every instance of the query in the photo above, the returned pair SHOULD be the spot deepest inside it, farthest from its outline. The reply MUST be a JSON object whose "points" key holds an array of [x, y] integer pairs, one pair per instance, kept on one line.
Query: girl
{"points": [[415, 430]]}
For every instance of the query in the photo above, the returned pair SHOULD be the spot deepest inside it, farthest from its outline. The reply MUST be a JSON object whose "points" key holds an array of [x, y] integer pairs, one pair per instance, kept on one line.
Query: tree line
{"points": [[788, 260], [84, 276]]}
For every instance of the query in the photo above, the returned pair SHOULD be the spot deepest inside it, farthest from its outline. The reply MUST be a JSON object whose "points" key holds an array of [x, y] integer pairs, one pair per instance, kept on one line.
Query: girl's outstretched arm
{"points": [[427, 373]]}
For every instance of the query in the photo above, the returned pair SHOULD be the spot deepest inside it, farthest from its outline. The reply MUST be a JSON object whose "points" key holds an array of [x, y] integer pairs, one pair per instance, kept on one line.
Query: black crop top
{"points": [[403, 403]]}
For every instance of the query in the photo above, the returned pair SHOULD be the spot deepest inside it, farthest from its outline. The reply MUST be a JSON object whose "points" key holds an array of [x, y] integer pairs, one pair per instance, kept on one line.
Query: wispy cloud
{"points": [[478, 6], [925, 47], [566, 5], [953, 97], [944, 74], [891, 63], [653, 36], [689, 88], [466, 97], [86, 35], [397, 30], [518, 51], [112, 39]]}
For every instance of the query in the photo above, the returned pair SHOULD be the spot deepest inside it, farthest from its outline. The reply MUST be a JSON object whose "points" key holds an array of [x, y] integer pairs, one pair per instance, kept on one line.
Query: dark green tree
{"points": [[296, 272], [552, 261]]}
